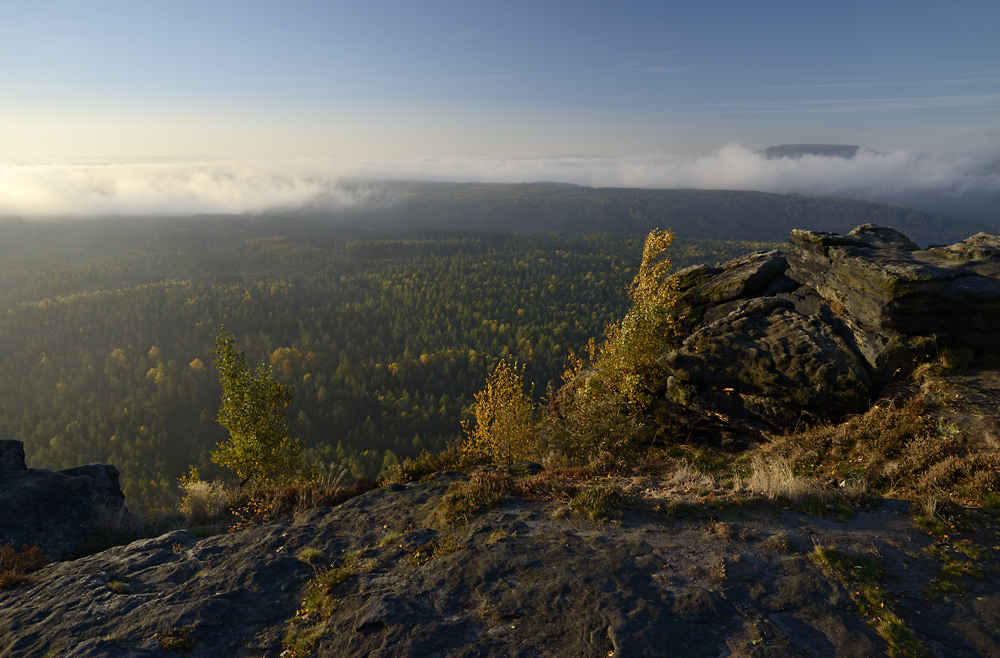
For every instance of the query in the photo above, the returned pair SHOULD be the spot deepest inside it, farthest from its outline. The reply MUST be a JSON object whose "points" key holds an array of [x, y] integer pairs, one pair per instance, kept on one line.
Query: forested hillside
{"points": [[692, 214], [106, 328]]}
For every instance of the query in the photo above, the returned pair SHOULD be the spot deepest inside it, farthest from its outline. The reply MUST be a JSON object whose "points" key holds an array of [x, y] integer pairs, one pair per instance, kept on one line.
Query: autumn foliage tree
{"points": [[505, 431], [598, 412], [253, 410]]}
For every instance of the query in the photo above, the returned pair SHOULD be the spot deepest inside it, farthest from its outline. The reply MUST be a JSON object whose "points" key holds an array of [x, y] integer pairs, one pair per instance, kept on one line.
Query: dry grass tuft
{"points": [[600, 502], [488, 488], [686, 475], [253, 506], [894, 449], [775, 477], [204, 502], [113, 525]]}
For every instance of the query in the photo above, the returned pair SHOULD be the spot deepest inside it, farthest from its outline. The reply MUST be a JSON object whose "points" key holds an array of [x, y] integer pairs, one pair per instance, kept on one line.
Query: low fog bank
{"points": [[965, 186]]}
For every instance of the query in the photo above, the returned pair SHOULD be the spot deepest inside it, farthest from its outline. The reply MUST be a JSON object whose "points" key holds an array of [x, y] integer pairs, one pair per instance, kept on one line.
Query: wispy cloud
{"points": [[848, 104], [662, 69], [256, 186]]}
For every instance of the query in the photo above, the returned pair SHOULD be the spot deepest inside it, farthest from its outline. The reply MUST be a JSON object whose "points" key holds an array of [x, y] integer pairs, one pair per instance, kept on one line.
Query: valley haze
{"points": [[957, 185]]}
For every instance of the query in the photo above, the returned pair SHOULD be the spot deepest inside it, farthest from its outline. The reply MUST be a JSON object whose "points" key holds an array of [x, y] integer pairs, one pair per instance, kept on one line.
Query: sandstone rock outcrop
{"points": [[519, 580], [53, 509], [818, 330]]}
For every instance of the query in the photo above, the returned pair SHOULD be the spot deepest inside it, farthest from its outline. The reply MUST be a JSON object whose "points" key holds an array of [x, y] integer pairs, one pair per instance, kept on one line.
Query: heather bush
{"points": [[15, 565]]}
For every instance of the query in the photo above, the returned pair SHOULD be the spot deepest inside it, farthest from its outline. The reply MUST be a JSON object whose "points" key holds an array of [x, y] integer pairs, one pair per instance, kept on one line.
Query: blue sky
{"points": [[138, 81]]}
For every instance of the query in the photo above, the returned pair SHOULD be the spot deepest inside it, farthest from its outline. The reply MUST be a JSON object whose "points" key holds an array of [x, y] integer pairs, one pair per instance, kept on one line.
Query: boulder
{"points": [[767, 357], [54, 509], [816, 331]]}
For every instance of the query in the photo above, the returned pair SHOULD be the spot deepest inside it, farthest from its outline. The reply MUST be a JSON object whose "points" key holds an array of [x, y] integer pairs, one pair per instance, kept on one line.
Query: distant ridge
{"points": [[798, 150], [576, 210]]}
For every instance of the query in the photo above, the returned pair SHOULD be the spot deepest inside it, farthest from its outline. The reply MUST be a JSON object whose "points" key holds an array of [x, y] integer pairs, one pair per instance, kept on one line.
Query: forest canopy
{"points": [[107, 329], [107, 325]]}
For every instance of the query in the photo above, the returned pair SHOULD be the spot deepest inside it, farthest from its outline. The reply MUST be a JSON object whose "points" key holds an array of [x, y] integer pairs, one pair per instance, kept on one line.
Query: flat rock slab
{"points": [[524, 579]]}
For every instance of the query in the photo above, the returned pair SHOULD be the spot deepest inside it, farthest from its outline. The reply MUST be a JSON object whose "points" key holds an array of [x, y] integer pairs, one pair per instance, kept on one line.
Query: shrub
{"points": [[886, 430], [505, 431], [600, 502], [16, 565], [453, 457], [896, 449], [201, 501], [487, 488]]}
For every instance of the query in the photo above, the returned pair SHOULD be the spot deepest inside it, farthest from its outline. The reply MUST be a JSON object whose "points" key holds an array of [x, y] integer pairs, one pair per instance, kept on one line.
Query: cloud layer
{"points": [[256, 186]]}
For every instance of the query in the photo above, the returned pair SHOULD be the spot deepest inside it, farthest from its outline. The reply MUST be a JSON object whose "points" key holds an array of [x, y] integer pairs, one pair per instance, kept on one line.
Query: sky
{"points": [[184, 106]]}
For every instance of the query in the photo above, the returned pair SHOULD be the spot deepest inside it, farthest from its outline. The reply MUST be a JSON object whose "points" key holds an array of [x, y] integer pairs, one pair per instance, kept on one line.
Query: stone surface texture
{"points": [[521, 580], [817, 330], [53, 509]]}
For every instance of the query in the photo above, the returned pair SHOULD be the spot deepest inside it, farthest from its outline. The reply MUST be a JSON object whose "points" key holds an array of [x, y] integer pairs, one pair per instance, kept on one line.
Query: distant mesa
{"points": [[796, 151]]}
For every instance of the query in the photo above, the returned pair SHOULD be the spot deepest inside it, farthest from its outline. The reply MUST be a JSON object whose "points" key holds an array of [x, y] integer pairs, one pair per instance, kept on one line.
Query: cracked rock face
{"points": [[816, 331]]}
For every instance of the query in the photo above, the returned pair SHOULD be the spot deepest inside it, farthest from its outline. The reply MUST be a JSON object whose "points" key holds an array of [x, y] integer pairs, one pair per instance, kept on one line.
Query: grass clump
{"points": [[261, 503], [862, 576], [463, 500], [938, 515], [956, 567], [775, 477], [176, 639], [601, 502], [202, 502], [434, 548], [780, 543], [112, 525], [308, 554], [553, 484], [309, 625], [119, 586], [498, 536], [15, 565]]}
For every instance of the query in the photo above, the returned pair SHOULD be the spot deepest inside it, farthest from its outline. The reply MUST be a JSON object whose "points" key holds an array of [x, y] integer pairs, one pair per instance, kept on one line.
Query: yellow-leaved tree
{"points": [[596, 415], [505, 430], [253, 410]]}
